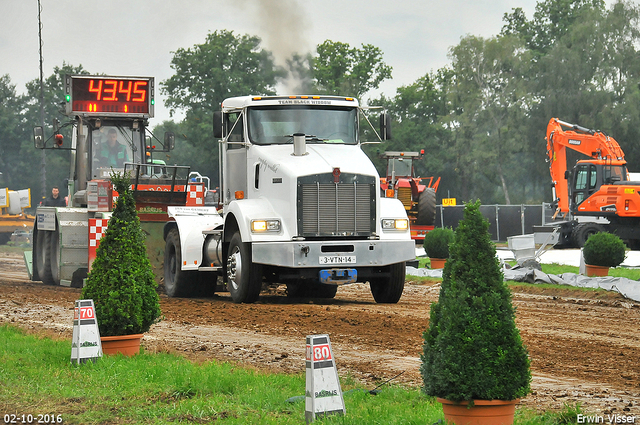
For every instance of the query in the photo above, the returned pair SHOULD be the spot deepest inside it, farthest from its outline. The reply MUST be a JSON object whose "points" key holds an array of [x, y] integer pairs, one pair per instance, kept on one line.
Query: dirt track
{"points": [[584, 346]]}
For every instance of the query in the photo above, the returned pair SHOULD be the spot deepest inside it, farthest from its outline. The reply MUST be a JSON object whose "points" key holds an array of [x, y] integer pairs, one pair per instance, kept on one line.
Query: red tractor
{"points": [[417, 194]]}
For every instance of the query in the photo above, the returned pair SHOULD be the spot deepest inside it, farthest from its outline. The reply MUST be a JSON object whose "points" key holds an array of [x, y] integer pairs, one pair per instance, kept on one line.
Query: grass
{"points": [[37, 378]]}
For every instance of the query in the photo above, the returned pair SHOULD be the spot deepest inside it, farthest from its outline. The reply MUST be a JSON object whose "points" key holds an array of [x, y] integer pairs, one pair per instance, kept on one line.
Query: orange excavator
{"points": [[597, 187]]}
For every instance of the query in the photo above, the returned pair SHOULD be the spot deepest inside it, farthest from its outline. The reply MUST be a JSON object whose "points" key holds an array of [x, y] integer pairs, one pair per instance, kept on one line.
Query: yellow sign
{"points": [[448, 202], [627, 190]]}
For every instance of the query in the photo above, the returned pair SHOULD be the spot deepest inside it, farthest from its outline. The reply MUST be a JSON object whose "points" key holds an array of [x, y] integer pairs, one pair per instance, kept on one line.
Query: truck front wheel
{"points": [[389, 291], [244, 279]]}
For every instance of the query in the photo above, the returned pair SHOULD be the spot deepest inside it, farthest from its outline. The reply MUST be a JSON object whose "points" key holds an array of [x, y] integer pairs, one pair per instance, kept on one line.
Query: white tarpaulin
{"points": [[627, 287]]}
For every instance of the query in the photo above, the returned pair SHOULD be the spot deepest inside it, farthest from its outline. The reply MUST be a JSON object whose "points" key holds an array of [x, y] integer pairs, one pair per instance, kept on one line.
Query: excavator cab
{"points": [[590, 176]]}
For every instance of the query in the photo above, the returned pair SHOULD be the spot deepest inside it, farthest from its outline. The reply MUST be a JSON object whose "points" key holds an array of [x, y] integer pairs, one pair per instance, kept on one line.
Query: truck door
{"points": [[235, 156]]}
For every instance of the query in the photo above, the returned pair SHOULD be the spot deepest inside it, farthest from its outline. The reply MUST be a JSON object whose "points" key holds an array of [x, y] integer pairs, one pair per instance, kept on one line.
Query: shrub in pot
{"points": [[604, 249], [121, 282], [436, 244], [472, 348]]}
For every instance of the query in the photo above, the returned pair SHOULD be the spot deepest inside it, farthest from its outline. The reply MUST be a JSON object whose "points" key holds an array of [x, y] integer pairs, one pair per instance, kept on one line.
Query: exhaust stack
{"points": [[299, 144]]}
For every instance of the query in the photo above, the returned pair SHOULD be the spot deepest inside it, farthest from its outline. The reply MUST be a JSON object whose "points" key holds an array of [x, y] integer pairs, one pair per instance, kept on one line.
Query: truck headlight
{"points": [[265, 226], [395, 224]]}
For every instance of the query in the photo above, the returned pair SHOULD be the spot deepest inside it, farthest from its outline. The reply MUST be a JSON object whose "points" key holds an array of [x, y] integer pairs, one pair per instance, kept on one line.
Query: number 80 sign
{"points": [[320, 353]]}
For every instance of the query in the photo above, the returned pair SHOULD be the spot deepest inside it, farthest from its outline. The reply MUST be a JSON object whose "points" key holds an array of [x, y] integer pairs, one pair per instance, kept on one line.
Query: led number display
{"points": [[109, 95]]}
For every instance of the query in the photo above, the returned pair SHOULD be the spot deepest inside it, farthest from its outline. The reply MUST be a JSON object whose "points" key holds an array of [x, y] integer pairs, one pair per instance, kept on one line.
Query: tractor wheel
{"points": [[54, 255], [427, 207], [43, 257], [389, 291], [177, 283], [244, 279], [582, 231]]}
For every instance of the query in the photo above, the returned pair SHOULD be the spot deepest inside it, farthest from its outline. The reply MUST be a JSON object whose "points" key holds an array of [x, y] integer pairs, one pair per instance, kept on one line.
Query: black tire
{"points": [[389, 291], [177, 283], [244, 279], [43, 257], [54, 255], [582, 231], [427, 207]]}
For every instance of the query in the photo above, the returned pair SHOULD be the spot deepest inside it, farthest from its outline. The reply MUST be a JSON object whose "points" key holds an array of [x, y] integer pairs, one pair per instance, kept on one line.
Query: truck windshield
{"points": [[276, 125], [112, 146]]}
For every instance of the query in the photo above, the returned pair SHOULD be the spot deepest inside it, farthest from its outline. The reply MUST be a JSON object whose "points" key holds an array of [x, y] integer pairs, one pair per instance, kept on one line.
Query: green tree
{"points": [[552, 19], [12, 149], [488, 95], [225, 65], [341, 69], [57, 161]]}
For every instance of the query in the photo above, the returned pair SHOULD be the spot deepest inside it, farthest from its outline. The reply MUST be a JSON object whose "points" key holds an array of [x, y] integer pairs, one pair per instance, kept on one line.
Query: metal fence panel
{"points": [[490, 212], [504, 220], [509, 221]]}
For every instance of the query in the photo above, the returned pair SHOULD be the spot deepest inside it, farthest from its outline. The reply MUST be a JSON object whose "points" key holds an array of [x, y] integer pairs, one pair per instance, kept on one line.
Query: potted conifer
{"points": [[436, 245], [121, 282], [601, 251], [473, 357]]}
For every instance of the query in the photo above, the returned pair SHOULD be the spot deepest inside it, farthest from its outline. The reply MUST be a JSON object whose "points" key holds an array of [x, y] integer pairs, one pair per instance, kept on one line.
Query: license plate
{"points": [[337, 259]]}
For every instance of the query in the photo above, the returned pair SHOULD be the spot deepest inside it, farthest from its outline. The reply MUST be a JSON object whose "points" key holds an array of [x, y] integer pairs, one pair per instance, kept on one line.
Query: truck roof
{"points": [[242, 102]]}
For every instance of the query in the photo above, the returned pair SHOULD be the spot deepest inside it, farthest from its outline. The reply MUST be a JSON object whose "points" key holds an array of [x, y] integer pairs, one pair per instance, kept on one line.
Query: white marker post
{"points": [[323, 394], [85, 343]]}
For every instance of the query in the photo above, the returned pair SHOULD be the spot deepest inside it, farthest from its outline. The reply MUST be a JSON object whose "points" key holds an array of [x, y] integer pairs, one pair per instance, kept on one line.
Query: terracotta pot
{"points": [[437, 263], [483, 412], [596, 270], [127, 345]]}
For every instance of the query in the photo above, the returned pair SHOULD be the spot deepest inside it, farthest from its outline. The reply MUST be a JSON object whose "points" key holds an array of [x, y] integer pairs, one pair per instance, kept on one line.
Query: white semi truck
{"points": [[300, 205]]}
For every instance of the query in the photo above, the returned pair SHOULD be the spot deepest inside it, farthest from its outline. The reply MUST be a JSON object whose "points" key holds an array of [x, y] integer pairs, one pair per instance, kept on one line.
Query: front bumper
{"points": [[353, 254]]}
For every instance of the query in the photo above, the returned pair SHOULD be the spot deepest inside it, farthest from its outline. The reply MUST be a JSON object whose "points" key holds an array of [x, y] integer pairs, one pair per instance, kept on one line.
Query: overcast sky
{"points": [[137, 37]]}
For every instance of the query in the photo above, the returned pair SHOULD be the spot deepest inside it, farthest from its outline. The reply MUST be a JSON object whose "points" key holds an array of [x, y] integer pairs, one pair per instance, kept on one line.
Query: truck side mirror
{"points": [[217, 125], [38, 137], [385, 126], [169, 141]]}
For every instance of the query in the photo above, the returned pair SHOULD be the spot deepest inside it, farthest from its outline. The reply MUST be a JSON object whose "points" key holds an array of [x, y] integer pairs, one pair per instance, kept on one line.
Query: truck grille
{"points": [[346, 208]]}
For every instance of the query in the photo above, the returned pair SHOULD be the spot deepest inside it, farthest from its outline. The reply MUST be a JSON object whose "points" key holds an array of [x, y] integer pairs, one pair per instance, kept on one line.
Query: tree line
{"points": [[481, 119]]}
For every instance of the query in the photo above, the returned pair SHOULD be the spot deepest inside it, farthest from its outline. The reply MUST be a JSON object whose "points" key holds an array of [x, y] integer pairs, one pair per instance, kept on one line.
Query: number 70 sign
{"points": [[84, 313]]}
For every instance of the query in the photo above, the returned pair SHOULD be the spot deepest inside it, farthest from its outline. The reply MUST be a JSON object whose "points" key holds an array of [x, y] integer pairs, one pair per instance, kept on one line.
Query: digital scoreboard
{"points": [[109, 96]]}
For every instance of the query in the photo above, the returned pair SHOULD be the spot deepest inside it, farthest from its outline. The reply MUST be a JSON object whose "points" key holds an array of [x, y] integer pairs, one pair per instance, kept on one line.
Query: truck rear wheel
{"points": [[244, 279], [389, 291], [582, 231], [177, 283], [427, 207]]}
